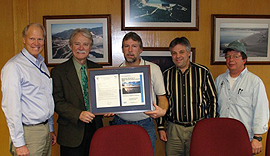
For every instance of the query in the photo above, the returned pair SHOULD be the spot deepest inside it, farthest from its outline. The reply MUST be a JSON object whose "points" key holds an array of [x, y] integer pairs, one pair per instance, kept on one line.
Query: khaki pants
{"points": [[37, 139], [179, 138]]}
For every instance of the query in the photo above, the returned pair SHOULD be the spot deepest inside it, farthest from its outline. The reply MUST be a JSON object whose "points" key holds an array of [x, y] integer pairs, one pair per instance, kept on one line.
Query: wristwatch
{"points": [[257, 138]]}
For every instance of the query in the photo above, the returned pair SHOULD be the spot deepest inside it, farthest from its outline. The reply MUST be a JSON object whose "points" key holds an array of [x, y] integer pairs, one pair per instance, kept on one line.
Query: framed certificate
{"points": [[120, 89]]}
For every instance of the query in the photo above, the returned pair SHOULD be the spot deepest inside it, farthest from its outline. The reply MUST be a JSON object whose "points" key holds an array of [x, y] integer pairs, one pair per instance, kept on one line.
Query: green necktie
{"points": [[85, 88]]}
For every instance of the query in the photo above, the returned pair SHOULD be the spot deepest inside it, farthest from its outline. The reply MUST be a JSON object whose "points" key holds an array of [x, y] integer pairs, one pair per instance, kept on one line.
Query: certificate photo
{"points": [[132, 92], [120, 90]]}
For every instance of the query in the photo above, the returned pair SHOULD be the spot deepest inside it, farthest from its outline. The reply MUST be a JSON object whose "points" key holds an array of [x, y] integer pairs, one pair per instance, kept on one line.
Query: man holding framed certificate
{"points": [[132, 47], [76, 124]]}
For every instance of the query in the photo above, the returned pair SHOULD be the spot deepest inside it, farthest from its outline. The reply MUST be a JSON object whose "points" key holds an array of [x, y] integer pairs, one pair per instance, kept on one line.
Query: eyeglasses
{"points": [[232, 56]]}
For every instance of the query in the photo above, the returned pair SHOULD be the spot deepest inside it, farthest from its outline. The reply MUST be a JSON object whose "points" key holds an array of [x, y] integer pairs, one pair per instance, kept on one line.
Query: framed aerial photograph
{"points": [[251, 30], [160, 15], [59, 29], [120, 89], [162, 56]]}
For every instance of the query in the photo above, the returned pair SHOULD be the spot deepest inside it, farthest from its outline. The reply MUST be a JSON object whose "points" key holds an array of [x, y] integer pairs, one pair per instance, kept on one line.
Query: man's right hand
{"points": [[22, 151], [86, 116], [162, 135]]}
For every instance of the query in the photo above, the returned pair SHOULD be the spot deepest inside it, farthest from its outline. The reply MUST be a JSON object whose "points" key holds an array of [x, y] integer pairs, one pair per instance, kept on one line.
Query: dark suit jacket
{"points": [[69, 103]]}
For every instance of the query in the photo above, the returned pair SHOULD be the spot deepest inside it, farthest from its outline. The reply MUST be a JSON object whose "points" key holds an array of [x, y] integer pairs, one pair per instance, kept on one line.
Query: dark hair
{"points": [[25, 30], [85, 32], [183, 41], [244, 56], [134, 37]]}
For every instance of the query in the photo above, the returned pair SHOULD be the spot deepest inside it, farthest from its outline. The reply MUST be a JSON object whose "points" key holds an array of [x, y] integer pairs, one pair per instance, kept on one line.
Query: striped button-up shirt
{"points": [[192, 95]]}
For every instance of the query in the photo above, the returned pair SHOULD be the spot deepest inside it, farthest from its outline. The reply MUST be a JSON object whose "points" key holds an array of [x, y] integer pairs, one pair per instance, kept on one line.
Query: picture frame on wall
{"points": [[162, 56], [251, 30], [160, 15], [59, 29]]}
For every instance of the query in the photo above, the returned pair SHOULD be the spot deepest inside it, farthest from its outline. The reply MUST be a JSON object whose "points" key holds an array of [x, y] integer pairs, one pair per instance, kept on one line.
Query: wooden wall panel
{"points": [[20, 20], [6, 52]]}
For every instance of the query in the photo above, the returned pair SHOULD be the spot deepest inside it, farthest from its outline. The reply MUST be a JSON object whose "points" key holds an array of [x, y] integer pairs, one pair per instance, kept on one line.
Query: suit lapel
{"points": [[73, 79]]}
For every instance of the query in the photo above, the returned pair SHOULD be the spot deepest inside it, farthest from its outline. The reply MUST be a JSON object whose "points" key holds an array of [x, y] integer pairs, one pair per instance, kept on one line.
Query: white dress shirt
{"points": [[27, 94]]}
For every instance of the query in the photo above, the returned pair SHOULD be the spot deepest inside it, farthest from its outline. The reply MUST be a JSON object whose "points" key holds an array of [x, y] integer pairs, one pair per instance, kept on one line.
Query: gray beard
{"points": [[131, 60]]}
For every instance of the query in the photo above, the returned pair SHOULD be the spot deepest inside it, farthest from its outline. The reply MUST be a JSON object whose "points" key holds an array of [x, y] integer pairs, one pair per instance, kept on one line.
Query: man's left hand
{"points": [[53, 137], [158, 112], [256, 146]]}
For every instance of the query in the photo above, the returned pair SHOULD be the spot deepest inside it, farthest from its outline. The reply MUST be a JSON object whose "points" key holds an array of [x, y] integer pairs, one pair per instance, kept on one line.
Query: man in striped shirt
{"points": [[192, 96]]}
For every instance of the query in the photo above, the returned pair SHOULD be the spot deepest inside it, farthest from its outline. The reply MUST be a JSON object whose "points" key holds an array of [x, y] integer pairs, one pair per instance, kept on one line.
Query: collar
{"points": [[187, 70], [240, 75], [78, 65], [37, 61]]}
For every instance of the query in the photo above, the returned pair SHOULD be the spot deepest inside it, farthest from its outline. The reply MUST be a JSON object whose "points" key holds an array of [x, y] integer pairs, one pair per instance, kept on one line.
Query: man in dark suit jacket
{"points": [[76, 125]]}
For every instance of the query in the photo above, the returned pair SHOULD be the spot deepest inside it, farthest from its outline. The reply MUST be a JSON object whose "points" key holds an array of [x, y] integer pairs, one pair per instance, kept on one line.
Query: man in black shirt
{"points": [[191, 94]]}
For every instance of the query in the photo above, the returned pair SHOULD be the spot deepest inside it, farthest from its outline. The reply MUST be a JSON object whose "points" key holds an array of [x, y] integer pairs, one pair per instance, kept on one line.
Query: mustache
{"points": [[130, 54], [81, 51]]}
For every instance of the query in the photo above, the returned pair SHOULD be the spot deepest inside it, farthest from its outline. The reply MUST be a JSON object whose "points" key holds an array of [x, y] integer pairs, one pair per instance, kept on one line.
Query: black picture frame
{"points": [[163, 16], [99, 93], [162, 56]]}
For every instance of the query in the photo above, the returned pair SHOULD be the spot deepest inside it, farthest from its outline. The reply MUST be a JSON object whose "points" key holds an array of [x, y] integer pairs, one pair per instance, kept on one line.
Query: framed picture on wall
{"points": [[59, 29], [162, 56], [251, 30], [160, 15]]}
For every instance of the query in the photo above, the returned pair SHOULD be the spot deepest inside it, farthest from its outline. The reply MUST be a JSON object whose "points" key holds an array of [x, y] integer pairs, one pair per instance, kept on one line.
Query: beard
{"points": [[130, 60]]}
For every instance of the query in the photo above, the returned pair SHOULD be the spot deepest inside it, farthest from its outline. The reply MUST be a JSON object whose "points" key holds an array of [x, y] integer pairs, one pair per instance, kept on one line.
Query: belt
{"points": [[42, 123], [185, 124]]}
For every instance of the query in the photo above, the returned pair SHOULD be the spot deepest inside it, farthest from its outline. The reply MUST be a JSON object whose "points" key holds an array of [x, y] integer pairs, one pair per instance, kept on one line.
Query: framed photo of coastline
{"points": [[251, 30], [162, 56], [155, 15], [59, 29]]}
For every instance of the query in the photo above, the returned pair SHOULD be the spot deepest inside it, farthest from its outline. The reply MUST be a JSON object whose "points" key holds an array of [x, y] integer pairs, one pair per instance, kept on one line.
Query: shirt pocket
{"points": [[244, 99]]}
